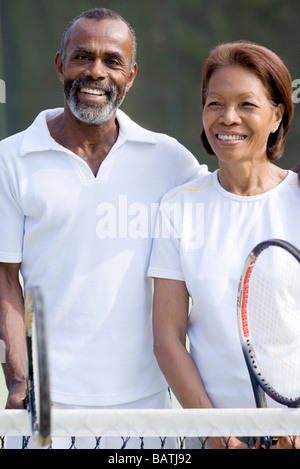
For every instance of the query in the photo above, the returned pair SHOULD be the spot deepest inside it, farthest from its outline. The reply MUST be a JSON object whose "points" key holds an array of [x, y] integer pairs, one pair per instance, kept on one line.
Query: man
{"points": [[79, 191]]}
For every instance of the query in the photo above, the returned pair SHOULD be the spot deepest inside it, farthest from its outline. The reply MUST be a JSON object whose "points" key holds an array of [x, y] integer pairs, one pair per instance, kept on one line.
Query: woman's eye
{"points": [[248, 104], [214, 104]]}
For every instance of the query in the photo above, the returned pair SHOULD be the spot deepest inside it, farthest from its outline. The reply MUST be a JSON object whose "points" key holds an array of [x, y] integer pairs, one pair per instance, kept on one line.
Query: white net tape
{"points": [[147, 423]]}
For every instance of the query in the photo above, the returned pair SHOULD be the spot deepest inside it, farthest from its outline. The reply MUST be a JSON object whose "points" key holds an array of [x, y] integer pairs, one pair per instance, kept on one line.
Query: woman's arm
{"points": [[170, 319]]}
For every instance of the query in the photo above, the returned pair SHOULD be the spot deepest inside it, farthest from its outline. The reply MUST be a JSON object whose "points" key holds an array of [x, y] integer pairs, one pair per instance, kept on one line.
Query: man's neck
{"points": [[92, 143]]}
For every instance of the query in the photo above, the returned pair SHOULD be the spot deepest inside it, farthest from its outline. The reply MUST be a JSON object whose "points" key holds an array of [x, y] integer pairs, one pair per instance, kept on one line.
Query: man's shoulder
{"points": [[35, 132], [138, 132], [190, 189], [12, 142]]}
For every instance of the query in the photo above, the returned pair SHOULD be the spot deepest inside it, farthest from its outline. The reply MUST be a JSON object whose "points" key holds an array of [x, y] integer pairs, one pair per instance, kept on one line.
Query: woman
{"points": [[205, 230]]}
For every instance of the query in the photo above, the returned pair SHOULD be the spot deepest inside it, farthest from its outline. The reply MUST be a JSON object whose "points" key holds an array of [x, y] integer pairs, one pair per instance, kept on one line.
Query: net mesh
{"points": [[131, 428]]}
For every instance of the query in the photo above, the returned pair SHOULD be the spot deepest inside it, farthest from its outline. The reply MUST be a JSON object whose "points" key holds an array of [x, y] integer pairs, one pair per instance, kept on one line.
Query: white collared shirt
{"points": [[86, 242]]}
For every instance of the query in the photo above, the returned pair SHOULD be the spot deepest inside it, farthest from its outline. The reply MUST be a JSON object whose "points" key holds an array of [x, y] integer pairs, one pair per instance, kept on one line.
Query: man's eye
{"points": [[112, 62], [82, 57]]}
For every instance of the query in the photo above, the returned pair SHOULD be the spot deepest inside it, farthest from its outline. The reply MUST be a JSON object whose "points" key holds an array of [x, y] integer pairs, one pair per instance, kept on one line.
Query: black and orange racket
{"points": [[269, 322]]}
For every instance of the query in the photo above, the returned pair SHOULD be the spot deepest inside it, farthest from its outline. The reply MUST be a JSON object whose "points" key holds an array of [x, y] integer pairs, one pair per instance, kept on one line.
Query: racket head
{"points": [[269, 320], [37, 370]]}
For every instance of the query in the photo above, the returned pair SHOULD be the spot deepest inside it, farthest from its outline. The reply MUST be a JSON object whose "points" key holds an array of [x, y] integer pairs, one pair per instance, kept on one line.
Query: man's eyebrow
{"points": [[109, 53], [114, 55], [82, 50]]}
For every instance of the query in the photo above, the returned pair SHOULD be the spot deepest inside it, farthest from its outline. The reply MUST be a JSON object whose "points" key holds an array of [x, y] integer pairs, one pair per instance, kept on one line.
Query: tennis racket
{"points": [[269, 323], [37, 372]]}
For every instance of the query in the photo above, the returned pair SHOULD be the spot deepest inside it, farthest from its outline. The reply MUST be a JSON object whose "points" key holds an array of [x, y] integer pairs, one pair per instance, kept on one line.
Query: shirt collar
{"points": [[37, 137], [132, 131]]}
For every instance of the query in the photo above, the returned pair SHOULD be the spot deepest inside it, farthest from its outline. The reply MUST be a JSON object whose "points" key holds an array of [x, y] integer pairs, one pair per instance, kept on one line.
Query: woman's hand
{"points": [[16, 396], [287, 442]]}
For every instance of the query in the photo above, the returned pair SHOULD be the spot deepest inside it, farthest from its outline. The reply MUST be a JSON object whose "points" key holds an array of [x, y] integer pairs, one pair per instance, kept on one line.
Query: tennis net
{"points": [[181, 424]]}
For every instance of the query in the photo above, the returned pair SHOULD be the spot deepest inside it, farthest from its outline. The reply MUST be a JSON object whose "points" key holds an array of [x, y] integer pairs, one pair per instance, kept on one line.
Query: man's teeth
{"points": [[93, 91], [230, 137]]}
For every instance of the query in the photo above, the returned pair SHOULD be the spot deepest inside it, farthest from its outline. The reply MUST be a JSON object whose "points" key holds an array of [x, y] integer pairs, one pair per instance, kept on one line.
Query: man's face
{"points": [[96, 72]]}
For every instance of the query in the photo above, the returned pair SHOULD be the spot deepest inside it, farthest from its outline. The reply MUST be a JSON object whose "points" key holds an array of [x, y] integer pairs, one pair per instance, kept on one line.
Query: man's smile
{"points": [[90, 94], [93, 91]]}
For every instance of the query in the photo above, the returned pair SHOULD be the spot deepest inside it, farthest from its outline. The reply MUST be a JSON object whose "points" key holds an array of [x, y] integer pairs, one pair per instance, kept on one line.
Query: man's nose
{"points": [[97, 69]]}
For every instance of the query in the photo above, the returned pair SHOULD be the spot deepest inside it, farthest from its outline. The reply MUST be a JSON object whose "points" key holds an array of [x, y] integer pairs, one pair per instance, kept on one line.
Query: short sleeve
{"points": [[11, 221], [165, 256], [188, 167]]}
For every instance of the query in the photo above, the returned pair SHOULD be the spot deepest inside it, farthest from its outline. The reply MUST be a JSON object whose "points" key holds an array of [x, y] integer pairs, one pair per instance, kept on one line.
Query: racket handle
{"points": [[265, 442]]}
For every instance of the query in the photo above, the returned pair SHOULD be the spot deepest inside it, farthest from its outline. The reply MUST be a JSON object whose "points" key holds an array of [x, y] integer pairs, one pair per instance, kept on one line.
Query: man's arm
{"points": [[12, 332]]}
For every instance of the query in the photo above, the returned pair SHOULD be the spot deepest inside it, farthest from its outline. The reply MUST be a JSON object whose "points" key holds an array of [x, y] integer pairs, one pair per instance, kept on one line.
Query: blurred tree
{"points": [[174, 38]]}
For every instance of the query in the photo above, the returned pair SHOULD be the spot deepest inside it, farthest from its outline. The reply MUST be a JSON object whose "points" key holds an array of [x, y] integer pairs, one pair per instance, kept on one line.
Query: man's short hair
{"points": [[98, 14]]}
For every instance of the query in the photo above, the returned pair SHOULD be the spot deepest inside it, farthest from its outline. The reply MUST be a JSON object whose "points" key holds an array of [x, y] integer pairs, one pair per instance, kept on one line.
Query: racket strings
{"points": [[274, 319]]}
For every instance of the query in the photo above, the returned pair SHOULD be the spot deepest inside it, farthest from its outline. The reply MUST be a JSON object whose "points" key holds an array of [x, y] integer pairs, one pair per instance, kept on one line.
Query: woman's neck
{"points": [[247, 179]]}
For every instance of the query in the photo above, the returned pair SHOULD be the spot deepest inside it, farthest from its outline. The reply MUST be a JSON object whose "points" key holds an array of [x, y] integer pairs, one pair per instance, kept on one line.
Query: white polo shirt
{"points": [[86, 242], [203, 237]]}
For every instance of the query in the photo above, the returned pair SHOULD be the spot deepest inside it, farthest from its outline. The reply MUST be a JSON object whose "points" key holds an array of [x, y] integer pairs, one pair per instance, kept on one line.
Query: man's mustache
{"points": [[73, 86]]}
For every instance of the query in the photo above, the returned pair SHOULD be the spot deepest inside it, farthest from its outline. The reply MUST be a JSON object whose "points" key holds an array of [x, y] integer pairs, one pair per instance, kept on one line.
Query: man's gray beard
{"points": [[95, 114]]}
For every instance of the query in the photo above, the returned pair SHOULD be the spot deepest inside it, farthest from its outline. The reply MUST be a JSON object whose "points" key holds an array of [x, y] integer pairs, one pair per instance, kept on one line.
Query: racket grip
{"points": [[265, 442]]}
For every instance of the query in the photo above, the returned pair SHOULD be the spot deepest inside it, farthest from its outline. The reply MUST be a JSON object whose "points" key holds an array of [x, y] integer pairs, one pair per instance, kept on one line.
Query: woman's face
{"points": [[238, 116]]}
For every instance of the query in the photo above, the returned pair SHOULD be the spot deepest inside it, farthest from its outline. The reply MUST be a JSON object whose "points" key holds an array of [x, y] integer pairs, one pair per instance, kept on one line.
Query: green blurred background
{"points": [[174, 37]]}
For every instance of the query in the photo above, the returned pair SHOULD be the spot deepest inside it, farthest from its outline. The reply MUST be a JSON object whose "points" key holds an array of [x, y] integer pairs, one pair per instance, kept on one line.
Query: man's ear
{"points": [[132, 76], [59, 66]]}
